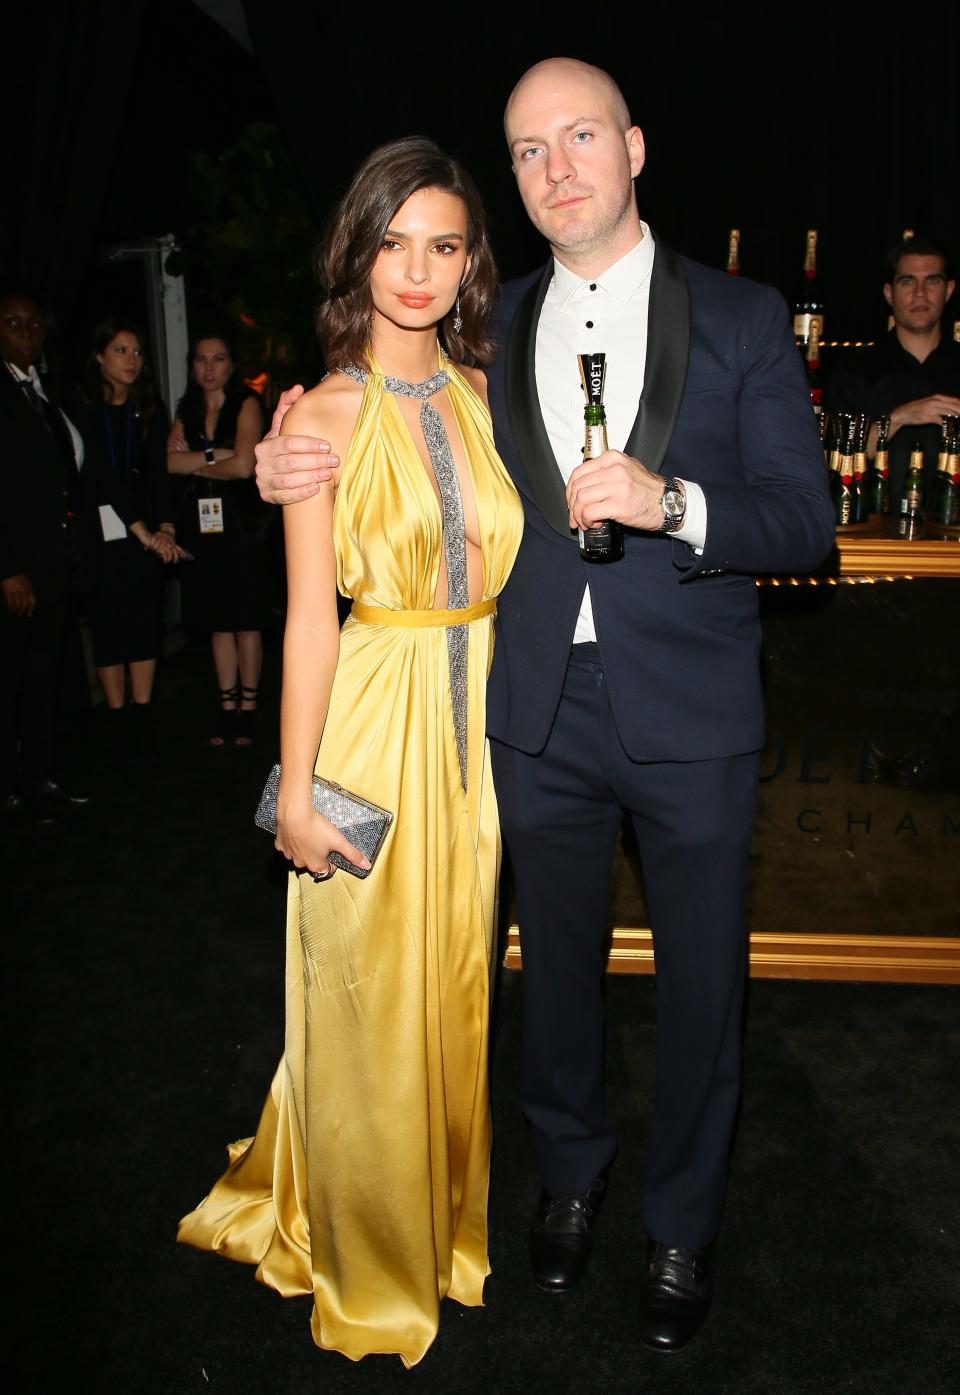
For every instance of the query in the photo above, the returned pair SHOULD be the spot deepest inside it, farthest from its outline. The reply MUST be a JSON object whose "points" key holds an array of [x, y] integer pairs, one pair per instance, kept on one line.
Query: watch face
{"points": [[672, 501]]}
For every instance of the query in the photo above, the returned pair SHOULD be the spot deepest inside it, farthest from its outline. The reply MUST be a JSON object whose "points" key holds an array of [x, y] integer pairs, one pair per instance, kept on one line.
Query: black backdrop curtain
{"points": [[67, 78], [836, 116], [839, 116]]}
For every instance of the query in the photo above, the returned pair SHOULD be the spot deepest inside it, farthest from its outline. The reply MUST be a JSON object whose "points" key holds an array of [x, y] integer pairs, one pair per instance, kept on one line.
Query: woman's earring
{"points": [[457, 317]]}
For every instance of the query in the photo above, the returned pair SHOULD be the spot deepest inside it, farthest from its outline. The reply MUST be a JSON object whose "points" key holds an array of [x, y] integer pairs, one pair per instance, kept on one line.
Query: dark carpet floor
{"points": [[144, 938]]}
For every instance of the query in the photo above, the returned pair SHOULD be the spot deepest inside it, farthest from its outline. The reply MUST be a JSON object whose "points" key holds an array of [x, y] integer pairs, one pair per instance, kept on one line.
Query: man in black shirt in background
{"points": [[913, 374]]}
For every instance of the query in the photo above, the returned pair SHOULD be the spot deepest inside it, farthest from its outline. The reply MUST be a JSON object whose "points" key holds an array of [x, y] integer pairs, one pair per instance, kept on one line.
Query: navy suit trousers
{"points": [[561, 812]]}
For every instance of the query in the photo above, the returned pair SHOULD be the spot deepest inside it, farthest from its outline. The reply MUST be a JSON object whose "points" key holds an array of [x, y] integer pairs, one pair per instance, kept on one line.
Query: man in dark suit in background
{"points": [[632, 688], [45, 550]]}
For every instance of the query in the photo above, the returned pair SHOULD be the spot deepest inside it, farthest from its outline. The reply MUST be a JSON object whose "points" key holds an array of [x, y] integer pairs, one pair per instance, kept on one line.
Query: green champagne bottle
{"points": [[808, 300], [950, 495], [604, 541], [861, 485], [814, 385], [880, 501], [847, 504], [911, 504]]}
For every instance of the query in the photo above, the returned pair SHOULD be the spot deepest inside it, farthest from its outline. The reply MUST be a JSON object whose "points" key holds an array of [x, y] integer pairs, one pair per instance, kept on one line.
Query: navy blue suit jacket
{"points": [[724, 404]]}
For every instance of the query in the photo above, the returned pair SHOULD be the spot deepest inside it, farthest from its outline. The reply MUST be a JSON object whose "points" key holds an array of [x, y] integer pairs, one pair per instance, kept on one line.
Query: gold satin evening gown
{"points": [[366, 1183]]}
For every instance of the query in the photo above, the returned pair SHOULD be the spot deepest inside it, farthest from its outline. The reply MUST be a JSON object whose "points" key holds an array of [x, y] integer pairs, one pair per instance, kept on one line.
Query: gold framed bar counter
{"points": [[869, 553], [865, 554]]}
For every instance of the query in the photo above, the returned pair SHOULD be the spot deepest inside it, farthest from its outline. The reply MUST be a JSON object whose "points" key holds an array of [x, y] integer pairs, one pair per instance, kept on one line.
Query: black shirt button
{"points": [[593, 285]]}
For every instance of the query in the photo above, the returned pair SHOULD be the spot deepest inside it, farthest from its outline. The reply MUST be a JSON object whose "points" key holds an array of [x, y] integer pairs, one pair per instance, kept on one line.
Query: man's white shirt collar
{"points": [[29, 375], [622, 281]]}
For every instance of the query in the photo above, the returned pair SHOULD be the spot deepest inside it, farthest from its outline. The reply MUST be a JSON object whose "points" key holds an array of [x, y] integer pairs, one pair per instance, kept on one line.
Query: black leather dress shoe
{"points": [[675, 1296], [561, 1236]]}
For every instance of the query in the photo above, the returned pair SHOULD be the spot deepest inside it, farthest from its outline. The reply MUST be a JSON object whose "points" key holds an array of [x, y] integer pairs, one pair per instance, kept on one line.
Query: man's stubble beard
{"points": [[596, 238]]}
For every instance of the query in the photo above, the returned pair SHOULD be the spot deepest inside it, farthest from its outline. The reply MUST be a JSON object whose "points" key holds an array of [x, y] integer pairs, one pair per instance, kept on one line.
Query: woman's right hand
{"points": [[166, 548], [307, 839]]}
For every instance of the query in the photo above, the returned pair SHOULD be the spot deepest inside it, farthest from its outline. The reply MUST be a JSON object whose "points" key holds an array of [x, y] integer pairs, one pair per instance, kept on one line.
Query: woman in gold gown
{"points": [[366, 1183]]}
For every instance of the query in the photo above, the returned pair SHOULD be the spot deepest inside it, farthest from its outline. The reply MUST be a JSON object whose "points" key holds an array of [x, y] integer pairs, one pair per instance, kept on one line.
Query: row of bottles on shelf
{"points": [[807, 306], [861, 490]]}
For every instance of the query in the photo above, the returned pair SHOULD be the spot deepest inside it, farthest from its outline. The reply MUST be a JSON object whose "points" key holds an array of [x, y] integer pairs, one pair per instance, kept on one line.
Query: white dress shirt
{"points": [[607, 315]]}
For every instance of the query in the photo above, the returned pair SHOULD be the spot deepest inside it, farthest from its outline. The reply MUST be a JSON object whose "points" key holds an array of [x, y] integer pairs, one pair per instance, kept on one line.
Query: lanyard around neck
{"points": [[128, 438]]}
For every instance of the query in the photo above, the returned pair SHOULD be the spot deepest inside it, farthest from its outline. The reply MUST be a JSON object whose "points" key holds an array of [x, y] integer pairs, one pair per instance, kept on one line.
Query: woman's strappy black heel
{"points": [[245, 729], [227, 717]]}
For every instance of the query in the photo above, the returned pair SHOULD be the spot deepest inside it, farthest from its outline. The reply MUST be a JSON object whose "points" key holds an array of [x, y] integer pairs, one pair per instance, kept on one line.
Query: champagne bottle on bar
{"points": [[944, 450], [814, 385], [880, 501], [910, 524], [604, 541], [940, 478], [733, 252], [846, 503], [948, 434], [950, 488], [833, 473], [808, 305], [861, 485]]}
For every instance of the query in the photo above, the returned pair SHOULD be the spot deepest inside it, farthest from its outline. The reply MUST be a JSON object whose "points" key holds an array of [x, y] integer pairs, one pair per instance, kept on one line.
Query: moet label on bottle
{"points": [[803, 325], [593, 372], [846, 499]]}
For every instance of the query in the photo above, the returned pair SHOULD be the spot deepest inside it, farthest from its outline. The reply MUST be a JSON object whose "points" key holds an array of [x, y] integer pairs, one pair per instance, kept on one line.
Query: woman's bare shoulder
{"points": [[477, 380], [328, 410]]}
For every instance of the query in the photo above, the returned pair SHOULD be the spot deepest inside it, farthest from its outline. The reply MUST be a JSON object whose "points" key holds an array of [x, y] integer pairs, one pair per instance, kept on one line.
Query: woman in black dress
{"points": [[124, 429], [212, 441]]}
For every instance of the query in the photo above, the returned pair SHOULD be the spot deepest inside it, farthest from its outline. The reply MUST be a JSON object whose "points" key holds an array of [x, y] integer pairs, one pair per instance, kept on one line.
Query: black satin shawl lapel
{"points": [[668, 345], [523, 403]]}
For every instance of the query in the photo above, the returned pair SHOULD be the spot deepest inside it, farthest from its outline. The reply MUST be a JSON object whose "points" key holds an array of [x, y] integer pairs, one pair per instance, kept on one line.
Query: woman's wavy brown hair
{"points": [[384, 181], [143, 392]]}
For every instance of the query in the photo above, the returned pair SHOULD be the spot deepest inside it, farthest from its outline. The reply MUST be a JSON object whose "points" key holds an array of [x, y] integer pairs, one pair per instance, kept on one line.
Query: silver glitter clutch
{"points": [[366, 825]]}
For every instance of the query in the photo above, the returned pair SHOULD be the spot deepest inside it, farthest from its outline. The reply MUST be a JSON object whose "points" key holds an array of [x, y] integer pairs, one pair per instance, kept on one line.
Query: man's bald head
{"points": [[551, 72], [575, 156]]}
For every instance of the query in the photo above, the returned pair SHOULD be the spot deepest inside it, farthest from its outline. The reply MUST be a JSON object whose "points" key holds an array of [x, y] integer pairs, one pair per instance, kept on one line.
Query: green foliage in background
{"points": [[246, 256]]}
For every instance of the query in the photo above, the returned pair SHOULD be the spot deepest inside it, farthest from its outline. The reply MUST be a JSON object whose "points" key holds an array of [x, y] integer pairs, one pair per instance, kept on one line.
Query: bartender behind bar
{"points": [[913, 375]]}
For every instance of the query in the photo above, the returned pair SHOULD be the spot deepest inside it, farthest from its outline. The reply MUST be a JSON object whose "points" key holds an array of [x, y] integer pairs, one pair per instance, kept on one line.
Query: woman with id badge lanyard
{"points": [[124, 425], [224, 590]]}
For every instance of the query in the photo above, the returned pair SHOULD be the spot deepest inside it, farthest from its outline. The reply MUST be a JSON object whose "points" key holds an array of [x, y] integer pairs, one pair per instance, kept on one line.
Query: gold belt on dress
{"points": [[421, 619]]}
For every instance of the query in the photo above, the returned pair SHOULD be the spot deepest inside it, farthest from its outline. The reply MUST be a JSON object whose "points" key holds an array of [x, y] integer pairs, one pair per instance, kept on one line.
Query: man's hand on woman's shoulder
{"points": [[291, 468]]}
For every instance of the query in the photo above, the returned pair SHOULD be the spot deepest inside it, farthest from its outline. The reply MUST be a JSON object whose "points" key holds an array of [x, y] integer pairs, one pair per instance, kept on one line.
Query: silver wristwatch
{"points": [[673, 501]]}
